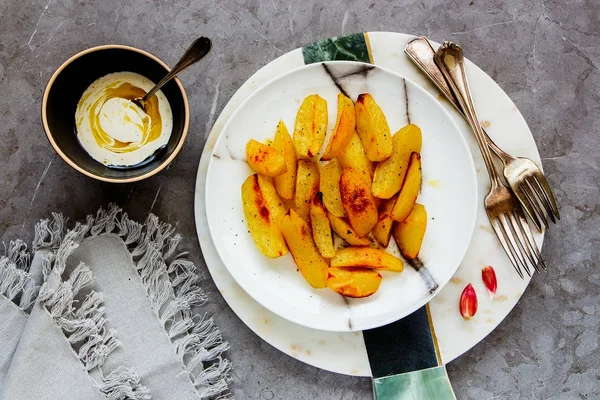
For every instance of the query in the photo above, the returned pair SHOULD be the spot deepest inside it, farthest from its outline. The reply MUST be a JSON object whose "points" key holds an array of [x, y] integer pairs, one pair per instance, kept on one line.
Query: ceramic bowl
{"points": [[74, 76]]}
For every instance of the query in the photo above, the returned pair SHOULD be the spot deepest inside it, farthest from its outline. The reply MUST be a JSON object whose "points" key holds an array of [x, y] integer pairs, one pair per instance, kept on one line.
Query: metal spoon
{"points": [[196, 52]]}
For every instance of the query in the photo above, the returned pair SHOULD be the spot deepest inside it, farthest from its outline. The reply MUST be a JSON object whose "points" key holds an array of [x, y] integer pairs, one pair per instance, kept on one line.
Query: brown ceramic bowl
{"points": [[74, 76]]}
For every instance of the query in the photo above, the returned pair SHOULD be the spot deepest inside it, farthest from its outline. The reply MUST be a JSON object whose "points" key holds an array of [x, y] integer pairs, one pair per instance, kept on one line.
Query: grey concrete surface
{"points": [[545, 54]]}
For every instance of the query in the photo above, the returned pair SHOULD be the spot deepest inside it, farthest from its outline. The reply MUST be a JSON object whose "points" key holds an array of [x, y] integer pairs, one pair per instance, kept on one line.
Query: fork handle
{"points": [[422, 53], [449, 58]]}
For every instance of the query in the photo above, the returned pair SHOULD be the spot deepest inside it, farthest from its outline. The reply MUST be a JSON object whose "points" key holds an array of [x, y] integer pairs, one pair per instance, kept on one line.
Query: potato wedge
{"points": [[330, 187], [276, 206], [286, 182], [307, 184], [264, 159], [410, 232], [321, 229], [372, 128], [410, 189], [383, 230], [354, 157], [311, 263], [389, 174], [368, 257], [358, 201], [346, 232], [353, 282], [344, 128], [262, 218], [310, 126]]}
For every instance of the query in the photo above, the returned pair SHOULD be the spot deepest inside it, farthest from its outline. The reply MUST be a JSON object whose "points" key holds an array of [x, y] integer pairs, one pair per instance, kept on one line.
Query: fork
{"points": [[523, 175], [501, 204]]}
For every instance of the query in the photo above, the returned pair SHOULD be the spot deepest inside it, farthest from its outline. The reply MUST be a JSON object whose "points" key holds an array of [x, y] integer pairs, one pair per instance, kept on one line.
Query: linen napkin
{"points": [[106, 310]]}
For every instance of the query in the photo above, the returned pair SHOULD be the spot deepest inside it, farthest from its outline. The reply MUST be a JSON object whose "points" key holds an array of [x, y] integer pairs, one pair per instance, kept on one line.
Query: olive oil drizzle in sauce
{"points": [[151, 121]]}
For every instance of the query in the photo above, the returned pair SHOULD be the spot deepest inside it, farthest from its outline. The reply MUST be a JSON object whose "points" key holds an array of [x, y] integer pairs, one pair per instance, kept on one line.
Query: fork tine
{"points": [[531, 241], [541, 193], [500, 234], [543, 206], [529, 205], [510, 234], [541, 180], [534, 203], [523, 242]]}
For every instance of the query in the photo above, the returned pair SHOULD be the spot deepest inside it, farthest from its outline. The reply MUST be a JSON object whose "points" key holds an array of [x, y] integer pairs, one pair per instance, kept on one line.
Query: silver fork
{"points": [[523, 175], [501, 204]]}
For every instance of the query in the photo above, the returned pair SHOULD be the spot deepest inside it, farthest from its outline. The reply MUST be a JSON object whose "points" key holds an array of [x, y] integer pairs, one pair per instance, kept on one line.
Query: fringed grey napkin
{"points": [[106, 310]]}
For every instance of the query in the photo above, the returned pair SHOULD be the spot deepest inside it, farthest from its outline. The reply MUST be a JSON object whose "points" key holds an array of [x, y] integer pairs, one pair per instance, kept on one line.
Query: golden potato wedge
{"points": [[372, 128], [389, 174], [345, 125], [264, 159], [353, 282], [286, 182], [262, 218], [368, 257], [274, 203], [410, 189], [346, 232], [311, 126], [358, 201], [330, 187], [307, 184], [354, 157], [410, 232], [311, 263], [321, 229], [383, 230]]}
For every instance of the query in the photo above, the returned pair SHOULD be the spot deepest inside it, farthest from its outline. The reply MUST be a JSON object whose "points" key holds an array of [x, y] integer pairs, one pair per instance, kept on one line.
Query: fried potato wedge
{"points": [[307, 184], [410, 189], [346, 232], [310, 126], [344, 128], [286, 182], [275, 204], [312, 264], [383, 230], [372, 128], [358, 201], [389, 174], [368, 257], [410, 232], [262, 215], [353, 282], [264, 159], [330, 187], [354, 157], [321, 229]]}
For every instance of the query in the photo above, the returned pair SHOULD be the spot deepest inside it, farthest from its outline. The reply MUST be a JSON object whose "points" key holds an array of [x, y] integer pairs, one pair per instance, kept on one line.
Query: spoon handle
{"points": [[196, 52]]}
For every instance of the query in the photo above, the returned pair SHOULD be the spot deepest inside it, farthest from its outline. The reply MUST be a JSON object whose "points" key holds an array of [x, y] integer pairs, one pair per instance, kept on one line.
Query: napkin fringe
{"points": [[171, 282], [123, 383], [83, 324], [49, 233], [15, 282]]}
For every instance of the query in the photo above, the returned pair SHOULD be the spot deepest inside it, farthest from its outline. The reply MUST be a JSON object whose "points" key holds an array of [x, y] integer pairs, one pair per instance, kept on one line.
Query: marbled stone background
{"points": [[545, 54]]}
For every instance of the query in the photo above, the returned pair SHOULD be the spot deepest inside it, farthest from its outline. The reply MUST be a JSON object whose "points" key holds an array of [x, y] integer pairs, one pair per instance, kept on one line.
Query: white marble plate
{"points": [[344, 352], [448, 193]]}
